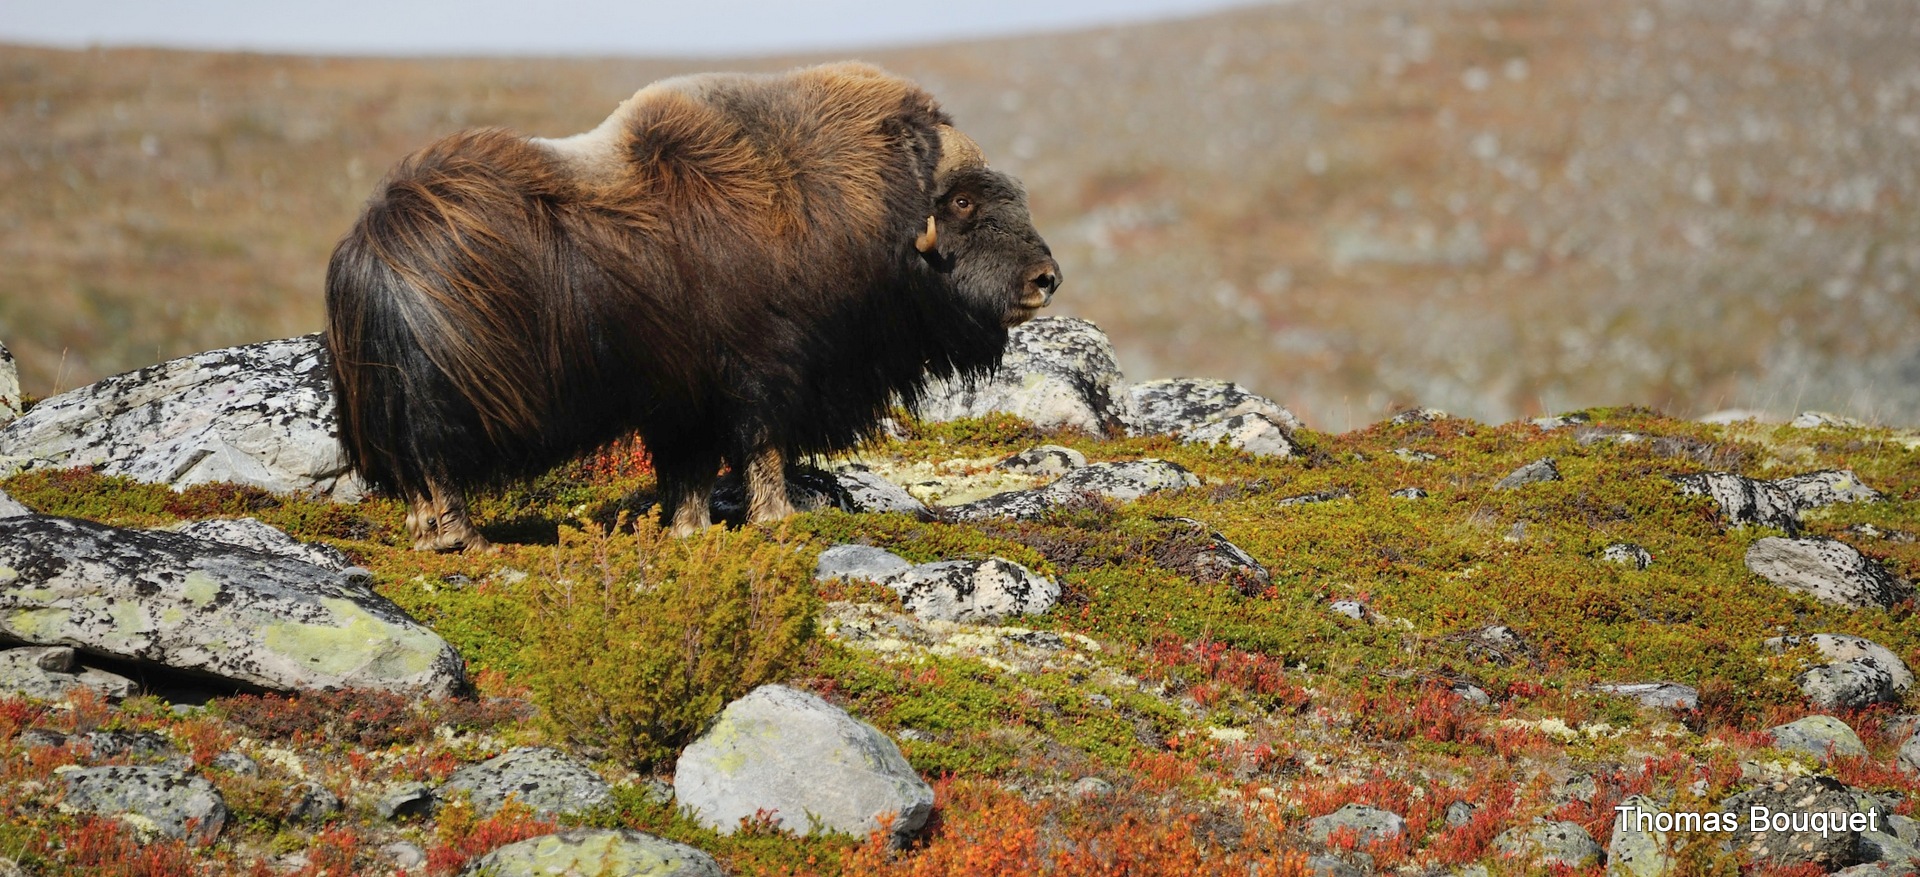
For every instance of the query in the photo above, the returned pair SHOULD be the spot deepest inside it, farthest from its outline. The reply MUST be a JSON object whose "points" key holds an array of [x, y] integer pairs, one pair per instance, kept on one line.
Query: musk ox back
{"points": [[743, 269]]}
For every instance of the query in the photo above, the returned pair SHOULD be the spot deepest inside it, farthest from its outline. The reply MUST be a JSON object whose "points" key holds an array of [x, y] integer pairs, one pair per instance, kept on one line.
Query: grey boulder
{"points": [[804, 762], [1658, 695], [1858, 672], [1831, 849], [198, 607], [1366, 824], [1745, 501], [1206, 411], [53, 672], [546, 780], [1627, 554], [1826, 569], [860, 563], [1057, 372], [260, 415], [974, 591], [1638, 849], [161, 800], [1550, 843], [595, 852], [1823, 737], [1543, 469], [1122, 481], [1816, 489]]}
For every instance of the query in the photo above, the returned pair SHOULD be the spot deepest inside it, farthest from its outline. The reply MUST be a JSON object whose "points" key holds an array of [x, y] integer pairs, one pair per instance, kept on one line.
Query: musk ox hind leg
{"points": [[439, 522], [767, 498], [689, 508]]}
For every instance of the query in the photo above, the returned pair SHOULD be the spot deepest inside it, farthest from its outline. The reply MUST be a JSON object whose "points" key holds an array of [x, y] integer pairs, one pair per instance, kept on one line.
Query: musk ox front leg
{"points": [[439, 522], [687, 505], [767, 498]]}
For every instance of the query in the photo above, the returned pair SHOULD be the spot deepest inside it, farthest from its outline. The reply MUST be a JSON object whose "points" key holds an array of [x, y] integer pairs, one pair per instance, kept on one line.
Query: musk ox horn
{"points": [[927, 240], [957, 152]]}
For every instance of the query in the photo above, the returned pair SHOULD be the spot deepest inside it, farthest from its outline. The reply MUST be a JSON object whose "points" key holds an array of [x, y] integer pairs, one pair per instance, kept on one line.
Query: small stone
{"points": [[1459, 813], [1353, 609], [1819, 489], [1177, 406], [1823, 737], [1409, 493], [1535, 472], [1627, 554], [1091, 787], [313, 805], [157, 799], [11, 398], [1412, 456], [54, 672], [405, 800], [1472, 694], [1317, 496], [1657, 695], [1050, 460], [1056, 372], [974, 591], [859, 563], [236, 763], [1368, 824], [1826, 569], [586, 852], [403, 855]]}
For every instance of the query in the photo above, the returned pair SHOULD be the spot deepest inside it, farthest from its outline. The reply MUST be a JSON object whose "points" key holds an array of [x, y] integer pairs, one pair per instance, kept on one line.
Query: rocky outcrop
{"points": [[185, 605], [1777, 503], [588, 852], [1057, 372], [153, 800], [1121, 482], [1828, 570], [1858, 672], [802, 762], [260, 415], [974, 591], [546, 780]]}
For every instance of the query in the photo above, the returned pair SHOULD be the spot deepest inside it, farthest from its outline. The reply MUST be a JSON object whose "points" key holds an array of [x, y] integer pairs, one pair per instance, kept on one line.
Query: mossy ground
{"points": [[1219, 721]]}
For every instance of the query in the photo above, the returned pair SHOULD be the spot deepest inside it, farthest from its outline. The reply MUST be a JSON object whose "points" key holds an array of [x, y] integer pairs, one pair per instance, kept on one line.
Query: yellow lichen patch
{"points": [[200, 589], [355, 643]]}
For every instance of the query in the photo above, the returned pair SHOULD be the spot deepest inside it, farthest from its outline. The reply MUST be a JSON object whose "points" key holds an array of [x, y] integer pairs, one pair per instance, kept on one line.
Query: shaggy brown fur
{"points": [[728, 264]]}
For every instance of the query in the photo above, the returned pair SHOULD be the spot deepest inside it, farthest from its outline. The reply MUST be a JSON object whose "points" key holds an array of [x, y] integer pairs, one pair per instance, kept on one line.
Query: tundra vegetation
{"points": [[1152, 723]]}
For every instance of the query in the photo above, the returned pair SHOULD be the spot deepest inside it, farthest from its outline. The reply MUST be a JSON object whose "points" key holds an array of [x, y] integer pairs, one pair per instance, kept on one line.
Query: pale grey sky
{"points": [[539, 27]]}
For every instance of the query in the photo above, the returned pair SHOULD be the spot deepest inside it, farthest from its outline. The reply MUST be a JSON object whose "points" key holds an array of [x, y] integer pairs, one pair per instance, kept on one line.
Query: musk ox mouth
{"points": [[1018, 315]]}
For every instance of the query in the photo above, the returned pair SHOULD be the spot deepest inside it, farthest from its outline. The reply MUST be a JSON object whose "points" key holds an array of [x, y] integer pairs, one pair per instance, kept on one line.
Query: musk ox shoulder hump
{"points": [[843, 97]]}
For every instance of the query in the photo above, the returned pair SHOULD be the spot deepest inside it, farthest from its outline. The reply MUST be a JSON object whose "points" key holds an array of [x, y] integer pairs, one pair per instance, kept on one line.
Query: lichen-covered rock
{"points": [[10, 395], [1823, 737], [1859, 672], [804, 762], [266, 538], [1045, 460], [1367, 824], [858, 490], [859, 562], [183, 604], [1543, 469], [1256, 434], [1546, 843], [1639, 849], [1123, 482], [11, 508], [53, 672], [1658, 695], [1175, 406], [1743, 500], [1831, 849], [594, 852], [405, 801], [974, 591], [153, 800], [1816, 489], [260, 415], [1627, 554], [1826, 569], [1057, 372], [548, 781], [312, 804]]}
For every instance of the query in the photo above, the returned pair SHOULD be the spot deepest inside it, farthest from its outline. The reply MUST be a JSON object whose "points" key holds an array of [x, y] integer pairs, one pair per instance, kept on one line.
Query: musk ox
{"points": [[743, 269]]}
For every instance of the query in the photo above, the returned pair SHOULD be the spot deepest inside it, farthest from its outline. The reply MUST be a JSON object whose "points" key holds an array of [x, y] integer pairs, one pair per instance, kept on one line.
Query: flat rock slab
{"points": [[1826, 569], [202, 608], [260, 415], [974, 591], [1859, 672], [1122, 481], [861, 563], [547, 780], [803, 761], [252, 533], [1367, 824], [595, 852], [1550, 843], [153, 800], [1658, 695], [53, 672], [1057, 372]]}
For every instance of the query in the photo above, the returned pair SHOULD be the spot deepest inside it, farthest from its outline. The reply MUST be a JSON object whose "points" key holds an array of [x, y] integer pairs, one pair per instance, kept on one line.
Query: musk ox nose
{"points": [[1042, 282]]}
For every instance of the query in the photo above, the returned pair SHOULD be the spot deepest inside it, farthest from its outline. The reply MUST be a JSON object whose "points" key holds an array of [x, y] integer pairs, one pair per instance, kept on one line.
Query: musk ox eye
{"points": [[962, 204]]}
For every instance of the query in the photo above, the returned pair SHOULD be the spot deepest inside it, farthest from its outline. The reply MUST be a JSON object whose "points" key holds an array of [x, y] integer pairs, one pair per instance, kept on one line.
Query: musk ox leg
{"points": [[767, 498], [691, 508], [439, 522]]}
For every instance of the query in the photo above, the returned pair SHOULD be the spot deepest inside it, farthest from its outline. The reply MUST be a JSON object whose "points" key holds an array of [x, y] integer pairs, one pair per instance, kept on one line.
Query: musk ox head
{"points": [[981, 236]]}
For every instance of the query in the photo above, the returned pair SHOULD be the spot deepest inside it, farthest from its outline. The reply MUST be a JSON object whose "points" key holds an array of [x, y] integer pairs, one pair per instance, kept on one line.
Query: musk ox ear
{"points": [[958, 152]]}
